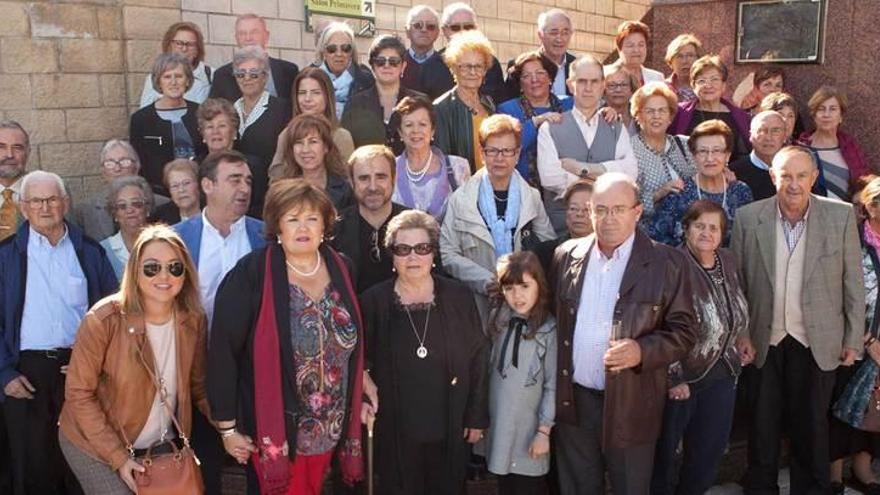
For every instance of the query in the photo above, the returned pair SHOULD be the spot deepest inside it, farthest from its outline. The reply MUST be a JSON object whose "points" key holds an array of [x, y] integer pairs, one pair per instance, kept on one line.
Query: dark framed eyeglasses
{"points": [[249, 74], [331, 49], [421, 249], [464, 26], [493, 152], [152, 268], [375, 250], [424, 26], [383, 61]]}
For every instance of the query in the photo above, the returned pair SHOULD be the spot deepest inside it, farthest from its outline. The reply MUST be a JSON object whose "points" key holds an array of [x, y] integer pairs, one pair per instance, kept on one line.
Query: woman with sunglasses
{"points": [[139, 358], [129, 203], [286, 362], [370, 117], [337, 56], [428, 356]]}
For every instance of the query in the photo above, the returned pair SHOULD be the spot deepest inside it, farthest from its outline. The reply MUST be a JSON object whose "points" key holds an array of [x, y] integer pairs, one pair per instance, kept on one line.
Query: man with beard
{"points": [[360, 233], [14, 150], [216, 240]]}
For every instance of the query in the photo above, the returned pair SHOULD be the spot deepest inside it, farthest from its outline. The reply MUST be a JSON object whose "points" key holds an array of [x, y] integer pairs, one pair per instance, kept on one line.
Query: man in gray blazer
{"points": [[800, 265]]}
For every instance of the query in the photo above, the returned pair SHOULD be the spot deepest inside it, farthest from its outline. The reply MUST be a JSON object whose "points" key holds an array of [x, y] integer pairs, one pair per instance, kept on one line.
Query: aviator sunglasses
{"points": [[152, 268]]}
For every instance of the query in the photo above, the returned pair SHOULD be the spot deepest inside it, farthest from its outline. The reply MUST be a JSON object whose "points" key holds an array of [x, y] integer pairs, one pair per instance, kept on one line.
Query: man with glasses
{"points": [[50, 274], [436, 77], [360, 232], [251, 30], [582, 145], [422, 30], [555, 31], [216, 240], [624, 312], [767, 135]]}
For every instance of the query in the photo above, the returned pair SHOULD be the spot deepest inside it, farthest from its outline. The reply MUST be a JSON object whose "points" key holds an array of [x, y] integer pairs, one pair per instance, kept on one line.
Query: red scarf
{"points": [[271, 461]]}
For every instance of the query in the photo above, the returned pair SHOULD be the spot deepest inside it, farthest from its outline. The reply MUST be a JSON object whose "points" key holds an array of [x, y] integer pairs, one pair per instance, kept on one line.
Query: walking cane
{"points": [[370, 421]]}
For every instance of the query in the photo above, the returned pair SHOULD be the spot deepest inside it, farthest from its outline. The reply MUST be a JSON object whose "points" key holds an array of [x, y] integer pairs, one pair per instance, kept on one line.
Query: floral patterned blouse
{"points": [[323, 335]]}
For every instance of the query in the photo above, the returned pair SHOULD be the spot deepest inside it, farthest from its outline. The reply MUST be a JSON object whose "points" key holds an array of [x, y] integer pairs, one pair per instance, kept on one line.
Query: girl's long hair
{"points": [[511, 269]]}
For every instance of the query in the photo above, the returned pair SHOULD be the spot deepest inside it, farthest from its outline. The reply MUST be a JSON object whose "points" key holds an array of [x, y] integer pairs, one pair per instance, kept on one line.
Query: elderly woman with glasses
{"points": [[428, 356], [681, 53], [533, 74], [370, 117], [631, 42], [185, 39], [337, 56], [620, 84], [509, 214], [181, 177], [129, 202], [709, 79], [462, 109]]}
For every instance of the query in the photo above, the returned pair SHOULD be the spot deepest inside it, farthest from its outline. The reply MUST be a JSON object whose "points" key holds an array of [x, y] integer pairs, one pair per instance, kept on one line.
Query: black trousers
{"points": [[518, 484], [423, 470], [582, 463], [37, 465], [790, 389], [209, 448]]}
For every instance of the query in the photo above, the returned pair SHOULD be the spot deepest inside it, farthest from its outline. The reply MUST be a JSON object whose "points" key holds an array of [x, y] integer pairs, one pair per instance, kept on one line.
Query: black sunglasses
{"points": [[383, 61], [331, 49], [461, 27], [421, 249], [250, 74], [152, 268], [422, 25]]}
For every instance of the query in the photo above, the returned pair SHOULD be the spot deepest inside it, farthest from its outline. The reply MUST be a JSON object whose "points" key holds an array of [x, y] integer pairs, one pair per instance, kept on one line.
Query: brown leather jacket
{"points": [[655, 304], [108, 385]]}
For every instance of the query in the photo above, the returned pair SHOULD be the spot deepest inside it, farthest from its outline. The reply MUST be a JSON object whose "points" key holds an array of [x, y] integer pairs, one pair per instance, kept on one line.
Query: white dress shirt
{"points": [[56, 294], [592, 327], [198, 93], [256, 112], [217, 256], [555, 179]]}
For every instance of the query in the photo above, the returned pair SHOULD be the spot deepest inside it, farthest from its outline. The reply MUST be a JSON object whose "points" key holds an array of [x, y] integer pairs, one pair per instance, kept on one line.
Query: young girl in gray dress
{"points": [[522, 386]]}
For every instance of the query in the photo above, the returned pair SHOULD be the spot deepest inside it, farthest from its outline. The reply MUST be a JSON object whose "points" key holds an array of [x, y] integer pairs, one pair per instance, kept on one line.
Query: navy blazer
{"points": [[190, 231], [100, 282]]}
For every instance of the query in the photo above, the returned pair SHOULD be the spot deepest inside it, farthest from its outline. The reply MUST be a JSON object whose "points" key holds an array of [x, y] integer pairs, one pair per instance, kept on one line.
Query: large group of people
{"points": [[565, 276]]}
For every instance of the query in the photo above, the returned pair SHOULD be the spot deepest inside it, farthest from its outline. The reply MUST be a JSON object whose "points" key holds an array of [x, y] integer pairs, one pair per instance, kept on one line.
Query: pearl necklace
{"points": [[305, 274], [414, 176]]}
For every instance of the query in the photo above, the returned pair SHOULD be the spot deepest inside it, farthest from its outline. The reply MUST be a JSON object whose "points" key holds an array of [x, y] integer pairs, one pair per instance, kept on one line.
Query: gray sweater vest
{"points": [[570, 141]]}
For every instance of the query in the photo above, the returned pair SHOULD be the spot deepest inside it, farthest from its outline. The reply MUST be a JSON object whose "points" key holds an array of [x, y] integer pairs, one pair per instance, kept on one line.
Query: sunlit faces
{"points": [[683, 60], [231, 192], [704, 233], [44, 205], [310, 97], [413, 265], [577, 215], [340, 58], [186, 43], [615, 212], [522, 296], [162, 288], [387, 66], [534, 81], [13, 153], [709, 85], [711, 155], [767, 135], [301, 230], [470, 69], [251, 32], [793, 175], [184, 189], [372, 182], [118, 162], [416, 130], [772, 85], [219, 133], [555, 37], [173, 82], [500, 154], [829, 115], [130, 208], [423, 31], [254, 81], [618, 89], [633, 50], [309, 151], [587, 85], [655, 116]]}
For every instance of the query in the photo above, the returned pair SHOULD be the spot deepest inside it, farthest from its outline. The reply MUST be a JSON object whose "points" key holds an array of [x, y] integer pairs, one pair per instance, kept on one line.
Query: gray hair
{"points": [[608, 179], [582, 60], [251, 53], [328, 31], [454, 8], [782, 156], [418, 9], [761, 116], [545, 17], [12, 124], [249, 16], [121, 143], [412, 219], [121, 183], [42, 176], [167, 61]]}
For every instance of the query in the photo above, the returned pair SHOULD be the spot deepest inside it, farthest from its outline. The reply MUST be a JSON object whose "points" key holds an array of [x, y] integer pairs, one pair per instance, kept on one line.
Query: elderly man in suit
{"points": [[800, 265], [624, 313]]}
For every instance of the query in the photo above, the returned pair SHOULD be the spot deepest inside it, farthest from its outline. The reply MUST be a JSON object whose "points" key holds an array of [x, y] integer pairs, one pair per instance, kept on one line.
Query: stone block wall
{"points": [[71, 71]]}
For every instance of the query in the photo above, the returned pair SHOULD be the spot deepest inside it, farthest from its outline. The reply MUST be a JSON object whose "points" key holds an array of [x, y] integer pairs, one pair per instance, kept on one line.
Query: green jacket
{"points": [[455, 128]]}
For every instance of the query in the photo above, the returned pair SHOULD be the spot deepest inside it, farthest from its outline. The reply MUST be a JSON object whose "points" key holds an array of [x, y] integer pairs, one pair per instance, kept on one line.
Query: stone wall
{"points": [[71, 71]]}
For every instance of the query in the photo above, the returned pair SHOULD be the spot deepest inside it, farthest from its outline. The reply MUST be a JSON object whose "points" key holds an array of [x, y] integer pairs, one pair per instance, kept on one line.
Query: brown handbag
{"points": [[173, 473]]}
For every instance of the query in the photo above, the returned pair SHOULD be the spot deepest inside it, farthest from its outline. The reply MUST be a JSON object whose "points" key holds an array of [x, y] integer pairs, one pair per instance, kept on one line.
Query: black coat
{"points": [[436, 79], [152, 138], [283, 74], [346, 239], [364, 119], [467, 351]]}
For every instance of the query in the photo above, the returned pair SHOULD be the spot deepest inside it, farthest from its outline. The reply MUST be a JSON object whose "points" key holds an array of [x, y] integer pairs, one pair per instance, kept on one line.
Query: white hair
{"points": [[121, 143], [761, 116], [454, 8], [42, 176], [781, 158], [609, 179], [418, 9], [252, 52], [250, 16], [328, 31], [545, 17]]}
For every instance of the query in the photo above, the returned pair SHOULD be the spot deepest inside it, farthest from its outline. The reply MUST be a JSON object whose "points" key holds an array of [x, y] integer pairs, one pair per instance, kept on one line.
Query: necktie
{"points": [[8, 215]]}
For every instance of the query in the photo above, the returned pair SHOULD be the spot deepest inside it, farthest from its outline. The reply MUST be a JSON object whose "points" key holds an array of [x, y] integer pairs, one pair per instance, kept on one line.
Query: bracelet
{"points": [[870, 341], [544, 433], [224, 434]]}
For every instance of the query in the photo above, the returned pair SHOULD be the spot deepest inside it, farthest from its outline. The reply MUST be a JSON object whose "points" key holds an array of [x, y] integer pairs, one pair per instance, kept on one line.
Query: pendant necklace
{"points": [[421, 350], [305, 274]]}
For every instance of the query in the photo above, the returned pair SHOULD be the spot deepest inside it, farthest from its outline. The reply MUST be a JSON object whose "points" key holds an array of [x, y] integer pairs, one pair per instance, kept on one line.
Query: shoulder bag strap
{"points": [[161, 389], [450, 175]]}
